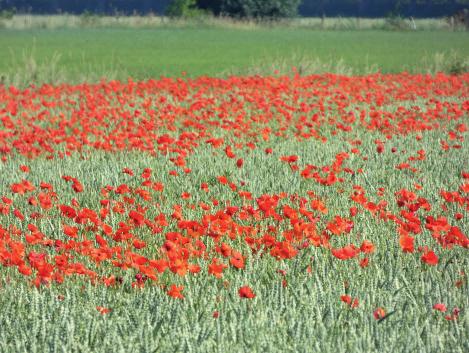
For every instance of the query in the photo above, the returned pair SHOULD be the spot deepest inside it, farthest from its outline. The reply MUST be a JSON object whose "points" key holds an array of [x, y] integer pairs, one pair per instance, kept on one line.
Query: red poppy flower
{"points": [[246, 292], [102, 310], [440, 307], [430, 258], [176, 291], [24, 168], [379, 313]]}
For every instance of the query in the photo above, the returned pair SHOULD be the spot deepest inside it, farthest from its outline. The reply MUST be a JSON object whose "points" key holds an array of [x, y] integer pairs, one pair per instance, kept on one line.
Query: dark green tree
{"points": [[213, 6], [181, 8], [260, 8], [239, 8]]}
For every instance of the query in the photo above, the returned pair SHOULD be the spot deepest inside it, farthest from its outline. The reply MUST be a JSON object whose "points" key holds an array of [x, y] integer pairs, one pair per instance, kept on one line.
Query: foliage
{"points": [[308, 8], [396, 22], [452, 63], [260, 8], [88, 18], [271, 9], [183, 8], [6, 12]]}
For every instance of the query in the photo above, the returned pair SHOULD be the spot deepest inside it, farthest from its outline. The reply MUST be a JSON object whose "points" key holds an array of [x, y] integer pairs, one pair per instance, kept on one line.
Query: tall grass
{"points": [[150, 21], [451, 63], [29, 70]]}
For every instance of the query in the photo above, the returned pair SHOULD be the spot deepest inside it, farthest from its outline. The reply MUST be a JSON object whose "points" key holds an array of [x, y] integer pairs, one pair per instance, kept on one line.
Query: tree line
{"points": [[244, 8]]}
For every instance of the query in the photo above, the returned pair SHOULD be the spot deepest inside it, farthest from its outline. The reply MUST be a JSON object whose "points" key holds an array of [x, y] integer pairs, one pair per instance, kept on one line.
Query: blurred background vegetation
{"points": [[56, 41], [242, 8]]}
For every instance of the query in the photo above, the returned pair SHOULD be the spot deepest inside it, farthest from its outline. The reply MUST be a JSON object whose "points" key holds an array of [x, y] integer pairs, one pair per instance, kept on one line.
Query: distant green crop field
{"points": [[81, 54]]}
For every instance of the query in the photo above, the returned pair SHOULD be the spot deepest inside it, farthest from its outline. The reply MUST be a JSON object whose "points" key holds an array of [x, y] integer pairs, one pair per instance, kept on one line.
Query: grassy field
{"points": [[134, 214], [74, 55]]}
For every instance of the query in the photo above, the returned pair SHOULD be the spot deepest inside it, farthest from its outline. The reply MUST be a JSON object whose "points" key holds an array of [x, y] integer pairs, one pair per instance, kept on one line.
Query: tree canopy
{"points": [[245, 8]]}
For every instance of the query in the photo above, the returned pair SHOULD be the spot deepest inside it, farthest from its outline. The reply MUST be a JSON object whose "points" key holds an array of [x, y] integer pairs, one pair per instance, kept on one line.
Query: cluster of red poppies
{"points": [[175, 118]]}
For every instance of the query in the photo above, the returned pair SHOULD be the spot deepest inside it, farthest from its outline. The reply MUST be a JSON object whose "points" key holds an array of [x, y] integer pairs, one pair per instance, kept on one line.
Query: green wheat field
{"points": [[263, 138]]}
